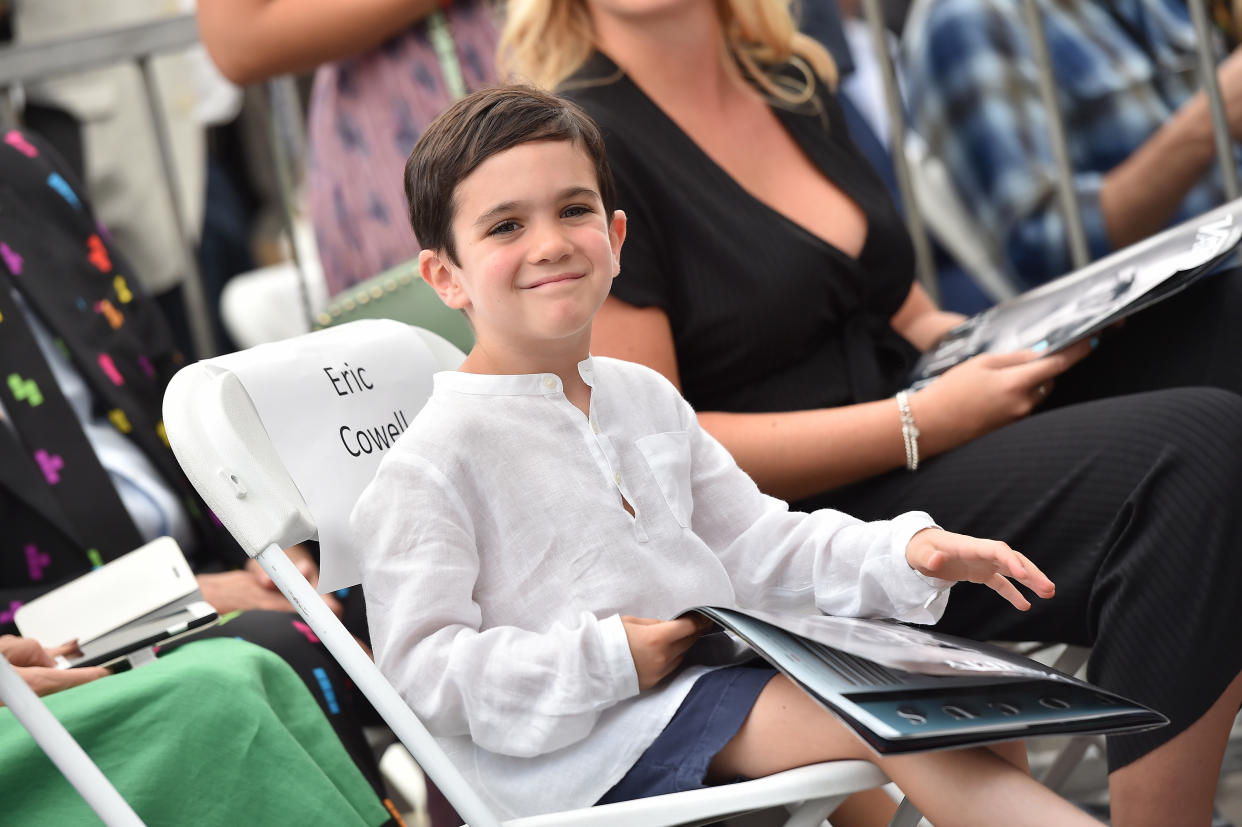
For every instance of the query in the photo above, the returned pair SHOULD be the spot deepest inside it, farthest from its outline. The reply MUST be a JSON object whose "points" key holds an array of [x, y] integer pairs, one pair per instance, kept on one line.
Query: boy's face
{"points": [[536, 254]]}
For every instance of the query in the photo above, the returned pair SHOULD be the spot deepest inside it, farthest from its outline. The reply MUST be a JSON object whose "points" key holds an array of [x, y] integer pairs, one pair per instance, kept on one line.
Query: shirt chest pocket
{"points": [[668, 457]]}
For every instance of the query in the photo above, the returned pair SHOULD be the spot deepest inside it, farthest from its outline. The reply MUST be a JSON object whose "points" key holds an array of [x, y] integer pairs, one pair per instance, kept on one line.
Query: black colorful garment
{"points": [[60, 514]]}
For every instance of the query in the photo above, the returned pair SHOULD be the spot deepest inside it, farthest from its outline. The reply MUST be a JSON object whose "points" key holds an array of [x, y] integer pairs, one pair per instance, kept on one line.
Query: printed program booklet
{"points": [[1084, 302], [907, 689]]}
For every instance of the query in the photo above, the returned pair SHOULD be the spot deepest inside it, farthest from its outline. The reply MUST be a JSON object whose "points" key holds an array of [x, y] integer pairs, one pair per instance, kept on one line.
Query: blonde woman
{"points": [[768, 276]]}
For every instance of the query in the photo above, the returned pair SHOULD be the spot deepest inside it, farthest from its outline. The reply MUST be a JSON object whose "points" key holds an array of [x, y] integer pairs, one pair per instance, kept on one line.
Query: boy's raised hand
{"points": [[658, 646], [939, 553]]}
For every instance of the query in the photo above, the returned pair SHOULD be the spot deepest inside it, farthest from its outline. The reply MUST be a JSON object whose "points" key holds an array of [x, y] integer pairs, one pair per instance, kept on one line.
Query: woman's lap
{"points": [[1128, 504]]}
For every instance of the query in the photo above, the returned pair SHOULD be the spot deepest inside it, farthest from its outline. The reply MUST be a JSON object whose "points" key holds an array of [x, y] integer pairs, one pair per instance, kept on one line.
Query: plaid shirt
{"points": [[975, 98]]}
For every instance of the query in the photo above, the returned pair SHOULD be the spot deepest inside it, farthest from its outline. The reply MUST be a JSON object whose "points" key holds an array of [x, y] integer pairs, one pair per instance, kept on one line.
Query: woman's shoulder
{"points": [[608, 95]]}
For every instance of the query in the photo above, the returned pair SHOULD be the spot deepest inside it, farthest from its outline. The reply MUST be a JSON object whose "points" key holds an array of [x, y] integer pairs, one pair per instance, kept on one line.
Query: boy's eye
{"points": [[576, 210], [503, 228]]}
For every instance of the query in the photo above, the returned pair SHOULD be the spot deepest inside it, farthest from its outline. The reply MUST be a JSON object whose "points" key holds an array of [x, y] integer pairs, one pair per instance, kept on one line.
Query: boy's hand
{"points": [[658, 646], [938, 553]]}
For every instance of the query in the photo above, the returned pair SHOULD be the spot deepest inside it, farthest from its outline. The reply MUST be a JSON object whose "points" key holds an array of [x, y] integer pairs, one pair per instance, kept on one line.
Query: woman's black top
{"points": [[765, 315]]}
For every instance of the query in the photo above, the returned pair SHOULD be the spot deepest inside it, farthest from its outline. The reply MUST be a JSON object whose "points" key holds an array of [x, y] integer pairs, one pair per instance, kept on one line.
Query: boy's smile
{"points": [[536, 254]]}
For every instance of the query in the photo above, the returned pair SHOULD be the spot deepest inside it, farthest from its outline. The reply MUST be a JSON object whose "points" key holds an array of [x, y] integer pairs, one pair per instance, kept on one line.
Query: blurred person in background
{"points": [[1139, 133], [100, 124], [385, 69], [86, 474]]}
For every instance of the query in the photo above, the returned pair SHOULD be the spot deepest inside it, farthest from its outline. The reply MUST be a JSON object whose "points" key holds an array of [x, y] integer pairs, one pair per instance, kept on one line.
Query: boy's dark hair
{"points": [[474, 129]]}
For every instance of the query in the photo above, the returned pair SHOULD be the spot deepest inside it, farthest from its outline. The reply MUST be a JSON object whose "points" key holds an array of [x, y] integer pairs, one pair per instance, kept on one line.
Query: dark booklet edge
{"points": [[1123, 715]]}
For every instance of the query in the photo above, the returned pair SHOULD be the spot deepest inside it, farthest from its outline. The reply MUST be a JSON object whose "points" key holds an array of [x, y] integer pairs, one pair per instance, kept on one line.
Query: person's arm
{"points": [[513, 691], [782, 560], [252, 40], [975, 100], [920, 322], [1140, 195], [250, 588], [37, 666], [796, 454]]}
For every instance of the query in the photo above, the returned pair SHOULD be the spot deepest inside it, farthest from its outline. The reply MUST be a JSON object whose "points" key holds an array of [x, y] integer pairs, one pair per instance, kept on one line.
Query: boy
{"points": [[547, 507]]}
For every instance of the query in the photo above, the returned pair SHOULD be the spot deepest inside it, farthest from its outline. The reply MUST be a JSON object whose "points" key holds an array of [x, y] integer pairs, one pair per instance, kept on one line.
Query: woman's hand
{"points": [[985, 392], [938, 553], [658, 646]]}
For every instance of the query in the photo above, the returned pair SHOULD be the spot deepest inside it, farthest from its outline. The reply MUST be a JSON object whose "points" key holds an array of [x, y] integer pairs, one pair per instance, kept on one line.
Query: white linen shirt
{"points": [[497, 558]]}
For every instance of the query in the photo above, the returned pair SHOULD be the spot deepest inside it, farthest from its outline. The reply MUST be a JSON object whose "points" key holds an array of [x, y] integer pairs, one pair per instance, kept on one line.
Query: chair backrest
{"points": [[281, 439], [401, 294]]}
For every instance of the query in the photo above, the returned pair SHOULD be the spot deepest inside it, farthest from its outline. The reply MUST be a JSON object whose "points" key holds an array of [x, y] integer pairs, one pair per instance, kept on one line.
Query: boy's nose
{"points": [[550, 244]]}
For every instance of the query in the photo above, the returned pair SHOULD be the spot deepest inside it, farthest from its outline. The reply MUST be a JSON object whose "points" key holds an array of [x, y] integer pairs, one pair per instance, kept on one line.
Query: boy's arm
{"points": [[513, 691], [793, 561]]}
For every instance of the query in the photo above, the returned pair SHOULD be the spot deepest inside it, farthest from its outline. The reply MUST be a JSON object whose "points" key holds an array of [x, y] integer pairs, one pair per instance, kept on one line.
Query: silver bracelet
{"points": [[909, 431]]}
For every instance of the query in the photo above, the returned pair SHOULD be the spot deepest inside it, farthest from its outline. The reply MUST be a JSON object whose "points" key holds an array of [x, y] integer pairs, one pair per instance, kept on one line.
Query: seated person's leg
{"points": [[217, 733], [288, 636]]}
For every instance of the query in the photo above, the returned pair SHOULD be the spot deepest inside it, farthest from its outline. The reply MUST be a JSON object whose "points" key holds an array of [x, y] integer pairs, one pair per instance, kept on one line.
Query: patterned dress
{"points": [[366, 113]]}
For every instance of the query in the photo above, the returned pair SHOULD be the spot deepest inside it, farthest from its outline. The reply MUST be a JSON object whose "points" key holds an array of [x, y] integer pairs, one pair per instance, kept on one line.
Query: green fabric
{"points": [[217, 732], [401, 294]]}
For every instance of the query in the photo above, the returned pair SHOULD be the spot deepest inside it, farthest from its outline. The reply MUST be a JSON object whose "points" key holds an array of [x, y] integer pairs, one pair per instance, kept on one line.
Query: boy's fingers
{"points": [[999, 584], [678, 649], [1036, 580], [639, 621], [683, 628]]}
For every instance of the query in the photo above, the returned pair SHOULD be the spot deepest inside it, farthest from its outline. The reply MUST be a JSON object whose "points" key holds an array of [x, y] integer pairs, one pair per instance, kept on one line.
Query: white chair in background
{"points": [[212, 414]]}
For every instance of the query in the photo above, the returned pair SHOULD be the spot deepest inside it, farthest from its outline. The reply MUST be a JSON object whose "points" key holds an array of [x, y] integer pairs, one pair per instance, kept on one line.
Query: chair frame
{"points": [[66, 753], [219, 439]]}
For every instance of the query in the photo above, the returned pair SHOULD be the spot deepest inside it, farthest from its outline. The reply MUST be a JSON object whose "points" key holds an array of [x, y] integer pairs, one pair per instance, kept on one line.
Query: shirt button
{"points": [[617, 476], [549, 382], [594, 426]]}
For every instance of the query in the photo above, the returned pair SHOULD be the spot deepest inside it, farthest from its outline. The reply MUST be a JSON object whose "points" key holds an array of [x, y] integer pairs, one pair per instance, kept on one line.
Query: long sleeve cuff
{"points": [[919, 598], [617, 655]]}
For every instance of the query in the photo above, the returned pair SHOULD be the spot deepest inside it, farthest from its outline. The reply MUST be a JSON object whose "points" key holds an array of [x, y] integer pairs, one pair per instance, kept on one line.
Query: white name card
{"points": [[333, 403]]}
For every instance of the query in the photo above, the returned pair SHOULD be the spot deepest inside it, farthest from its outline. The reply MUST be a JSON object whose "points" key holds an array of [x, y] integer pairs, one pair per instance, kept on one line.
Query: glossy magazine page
{"points": [[1086, 301]]}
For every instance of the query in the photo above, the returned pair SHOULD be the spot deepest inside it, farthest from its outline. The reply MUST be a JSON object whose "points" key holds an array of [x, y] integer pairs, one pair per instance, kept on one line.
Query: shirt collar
{"points": [[523, 384]]}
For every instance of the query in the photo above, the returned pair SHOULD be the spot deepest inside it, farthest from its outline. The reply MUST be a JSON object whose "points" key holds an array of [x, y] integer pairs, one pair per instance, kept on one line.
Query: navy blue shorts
{"points": [[708, 718]]}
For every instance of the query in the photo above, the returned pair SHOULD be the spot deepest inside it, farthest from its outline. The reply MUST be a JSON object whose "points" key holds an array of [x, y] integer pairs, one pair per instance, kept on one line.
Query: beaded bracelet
{"points": [[909, 431]]}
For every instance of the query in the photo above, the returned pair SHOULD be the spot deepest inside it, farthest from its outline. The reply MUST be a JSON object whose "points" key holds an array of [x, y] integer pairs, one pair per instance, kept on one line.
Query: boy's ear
{"points": [[616, 237], [434, 267]]}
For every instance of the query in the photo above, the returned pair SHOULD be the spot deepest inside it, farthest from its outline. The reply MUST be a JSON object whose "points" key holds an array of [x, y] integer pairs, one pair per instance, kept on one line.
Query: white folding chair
{"points": [[225, 445]]}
